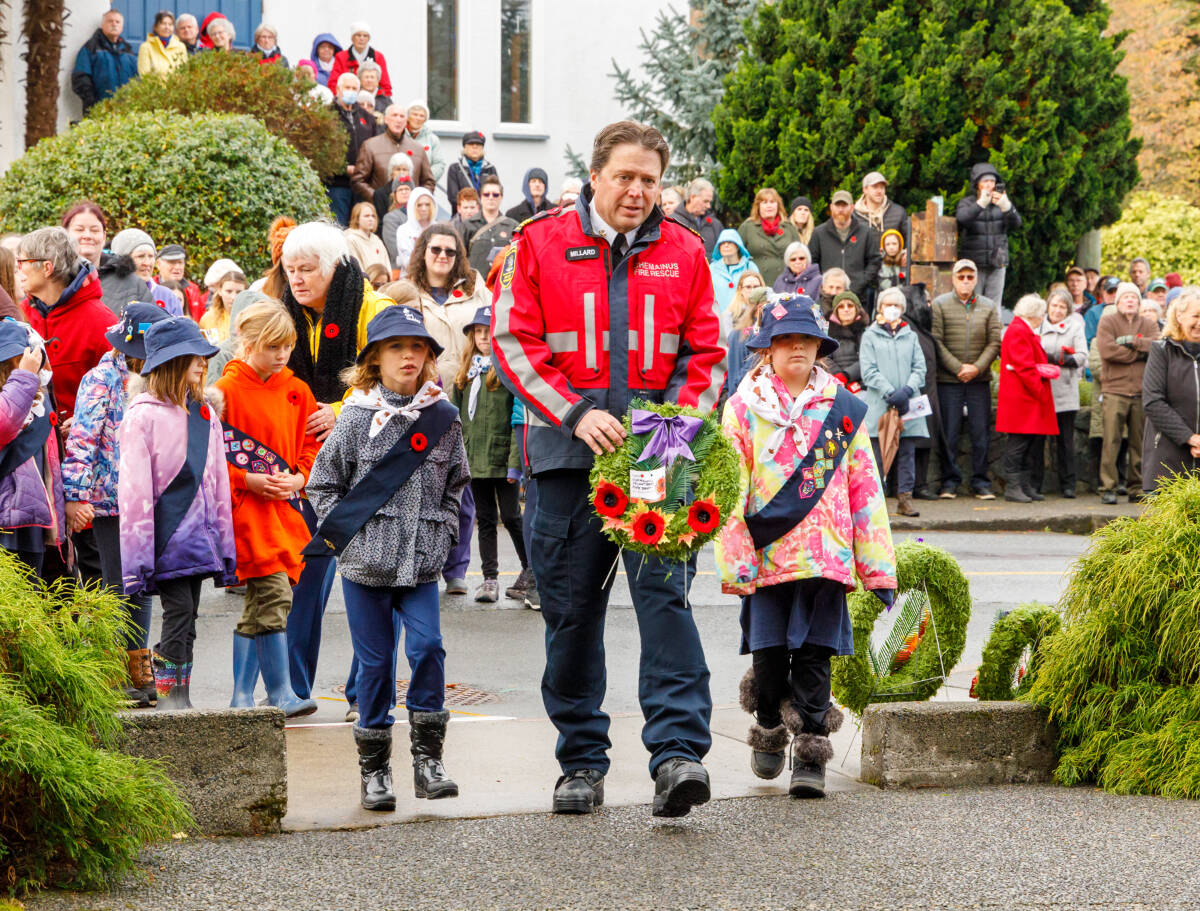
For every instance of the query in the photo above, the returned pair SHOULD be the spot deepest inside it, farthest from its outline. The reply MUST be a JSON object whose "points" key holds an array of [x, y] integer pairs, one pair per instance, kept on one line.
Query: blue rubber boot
{"points": [[245, 671], [273, 662]]}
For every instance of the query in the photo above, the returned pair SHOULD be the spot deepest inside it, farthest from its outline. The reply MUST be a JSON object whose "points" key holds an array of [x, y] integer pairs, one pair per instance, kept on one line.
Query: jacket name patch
{"points": [[657, 270], [575, 254]]}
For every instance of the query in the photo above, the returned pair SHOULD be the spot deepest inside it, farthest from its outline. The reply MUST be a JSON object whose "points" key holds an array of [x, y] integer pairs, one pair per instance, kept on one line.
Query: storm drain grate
{"points": [[456, 694]]}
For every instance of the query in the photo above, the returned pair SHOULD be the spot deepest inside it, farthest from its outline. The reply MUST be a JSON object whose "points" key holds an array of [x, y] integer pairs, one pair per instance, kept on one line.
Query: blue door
{"points": [[139, 16]]}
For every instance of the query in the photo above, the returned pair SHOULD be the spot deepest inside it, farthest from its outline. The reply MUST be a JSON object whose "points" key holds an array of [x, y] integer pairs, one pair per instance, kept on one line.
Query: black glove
{"points": [[899, 399]]}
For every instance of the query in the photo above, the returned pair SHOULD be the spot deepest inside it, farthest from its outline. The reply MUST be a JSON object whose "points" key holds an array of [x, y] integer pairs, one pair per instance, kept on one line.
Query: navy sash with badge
{"points": [[247, 453], [381, 481], [25, 445], [177, 499], [803, 490]]}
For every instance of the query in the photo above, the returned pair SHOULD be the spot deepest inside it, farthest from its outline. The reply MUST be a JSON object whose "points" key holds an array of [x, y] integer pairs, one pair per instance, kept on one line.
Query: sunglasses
{"points": [[443, 251], [491, 195]]}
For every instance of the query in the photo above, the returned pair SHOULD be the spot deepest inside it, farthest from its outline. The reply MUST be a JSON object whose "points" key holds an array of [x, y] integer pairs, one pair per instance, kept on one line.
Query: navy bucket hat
{"points": [[175, 336], [482, 317], [128, 336], [14, 339], [793, 314], [398, 322]]}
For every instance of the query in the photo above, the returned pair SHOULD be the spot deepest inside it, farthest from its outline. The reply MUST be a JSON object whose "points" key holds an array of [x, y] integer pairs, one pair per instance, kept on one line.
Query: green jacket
{"points": [[491, 444], [965, 334]]}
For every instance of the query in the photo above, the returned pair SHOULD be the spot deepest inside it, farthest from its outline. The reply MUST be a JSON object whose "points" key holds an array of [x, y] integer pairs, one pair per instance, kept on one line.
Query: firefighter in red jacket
{"points": [[597, 305]]}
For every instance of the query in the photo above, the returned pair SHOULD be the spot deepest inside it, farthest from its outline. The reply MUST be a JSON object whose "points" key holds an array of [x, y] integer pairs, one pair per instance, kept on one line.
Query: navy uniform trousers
{"points": [[573, 562]]}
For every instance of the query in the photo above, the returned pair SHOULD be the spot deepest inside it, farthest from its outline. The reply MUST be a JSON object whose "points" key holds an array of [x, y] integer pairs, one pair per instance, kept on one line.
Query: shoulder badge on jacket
{"points": [[674, 220]]}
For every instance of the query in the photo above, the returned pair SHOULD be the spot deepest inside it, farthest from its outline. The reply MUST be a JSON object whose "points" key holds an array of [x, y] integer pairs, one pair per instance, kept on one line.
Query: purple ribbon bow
{"points": [[671, 435]]}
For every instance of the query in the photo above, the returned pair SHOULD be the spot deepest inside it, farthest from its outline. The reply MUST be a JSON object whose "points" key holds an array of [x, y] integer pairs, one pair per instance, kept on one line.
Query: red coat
{"points": [[345, 62], [73, 330], [1025, 403]]}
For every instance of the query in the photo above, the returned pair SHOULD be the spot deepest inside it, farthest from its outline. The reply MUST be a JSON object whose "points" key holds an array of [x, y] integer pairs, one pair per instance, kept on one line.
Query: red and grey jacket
{"points": [[572, 330]]}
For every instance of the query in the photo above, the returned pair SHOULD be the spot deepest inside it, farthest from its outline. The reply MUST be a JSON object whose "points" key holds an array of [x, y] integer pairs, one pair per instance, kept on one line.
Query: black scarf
{"points": [[339, 333]]}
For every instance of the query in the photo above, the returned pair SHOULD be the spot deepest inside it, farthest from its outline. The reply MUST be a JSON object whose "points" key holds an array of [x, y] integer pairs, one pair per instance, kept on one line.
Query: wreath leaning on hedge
{"points": [[1027, 625], [920, 568], [695, 497]]}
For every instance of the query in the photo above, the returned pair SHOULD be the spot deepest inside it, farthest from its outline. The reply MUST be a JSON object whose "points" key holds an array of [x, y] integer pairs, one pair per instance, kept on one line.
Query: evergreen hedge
{"points": [[274, 95], [74, 812], [829, 90], [213, 183]]}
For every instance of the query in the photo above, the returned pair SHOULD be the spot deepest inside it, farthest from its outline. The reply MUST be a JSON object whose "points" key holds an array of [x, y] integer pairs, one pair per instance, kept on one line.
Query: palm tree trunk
{"points": [[43, 30]]}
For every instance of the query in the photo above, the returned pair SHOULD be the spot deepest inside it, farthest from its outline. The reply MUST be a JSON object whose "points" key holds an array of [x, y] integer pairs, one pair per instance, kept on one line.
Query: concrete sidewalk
{"points": [[1080, 516], [507, 766]]}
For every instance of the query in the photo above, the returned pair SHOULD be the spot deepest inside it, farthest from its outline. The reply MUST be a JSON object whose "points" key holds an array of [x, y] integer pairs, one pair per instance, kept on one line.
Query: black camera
{"points": [[999, 188]]}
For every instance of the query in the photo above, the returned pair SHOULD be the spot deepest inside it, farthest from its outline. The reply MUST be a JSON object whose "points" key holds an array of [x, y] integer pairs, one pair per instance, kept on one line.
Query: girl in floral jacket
{"points": [[89, 472], [173, 496], [810, 523]]}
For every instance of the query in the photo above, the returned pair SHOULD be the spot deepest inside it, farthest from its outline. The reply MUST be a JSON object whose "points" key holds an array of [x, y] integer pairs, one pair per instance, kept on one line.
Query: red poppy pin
{"points": [[457, 292], [708, 221], [408, 152], [294, 397], [332, 330], [731, 284], [847, 424], [426, 148], [52, 417], [204, 412], [419, 442], [161, 305], [853, 239]]}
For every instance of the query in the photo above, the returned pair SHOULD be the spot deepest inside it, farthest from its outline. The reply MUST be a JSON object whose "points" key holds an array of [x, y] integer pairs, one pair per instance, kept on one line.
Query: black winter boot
{"points": [[811, 752], [768, 738], [427, 731], [374, 755]]}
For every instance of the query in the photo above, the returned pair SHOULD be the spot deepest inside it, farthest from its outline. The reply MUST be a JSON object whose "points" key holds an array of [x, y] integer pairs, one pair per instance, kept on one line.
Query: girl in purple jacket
{"points": [[173, 496], [31, 499]]}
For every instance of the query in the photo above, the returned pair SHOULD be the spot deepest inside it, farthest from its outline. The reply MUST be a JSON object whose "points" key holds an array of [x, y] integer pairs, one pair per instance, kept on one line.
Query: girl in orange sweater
{"points": [[270, 456]]}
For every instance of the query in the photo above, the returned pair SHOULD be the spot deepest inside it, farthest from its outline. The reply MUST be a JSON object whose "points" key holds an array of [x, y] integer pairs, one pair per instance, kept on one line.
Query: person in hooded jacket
{"points": [[985, 217], [767, 233], [422, 210], [324, 48], [729, 260], [802, 275], [847, 322], [533, 188], [162, 51], [105, 63]]}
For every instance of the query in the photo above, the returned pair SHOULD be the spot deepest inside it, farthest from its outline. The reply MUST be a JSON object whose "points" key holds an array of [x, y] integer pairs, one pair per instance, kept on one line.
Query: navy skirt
{"points": [[807, 611]]}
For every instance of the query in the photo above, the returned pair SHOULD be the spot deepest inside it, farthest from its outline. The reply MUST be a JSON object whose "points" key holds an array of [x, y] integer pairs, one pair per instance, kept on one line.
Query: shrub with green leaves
{"points": [[275, 96], [212, 183], [1122, 678], [1164, 229], [74, 811], [922, 89]]}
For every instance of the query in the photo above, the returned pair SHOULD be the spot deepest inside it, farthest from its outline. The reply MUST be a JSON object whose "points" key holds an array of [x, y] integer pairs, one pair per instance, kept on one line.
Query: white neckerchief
{"points": [[479, 366], [374, 400], [763, 399]]}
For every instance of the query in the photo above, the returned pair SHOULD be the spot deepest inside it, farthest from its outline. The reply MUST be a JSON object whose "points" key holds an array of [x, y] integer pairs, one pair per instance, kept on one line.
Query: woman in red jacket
{"points": [[1025, 406]]}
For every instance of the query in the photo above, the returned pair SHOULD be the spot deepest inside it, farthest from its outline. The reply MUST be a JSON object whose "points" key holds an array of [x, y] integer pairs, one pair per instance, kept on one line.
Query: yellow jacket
{"points": [[154, 58]]}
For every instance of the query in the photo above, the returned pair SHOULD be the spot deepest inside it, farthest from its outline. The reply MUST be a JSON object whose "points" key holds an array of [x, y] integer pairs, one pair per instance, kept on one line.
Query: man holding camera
{"points": [[984, 222]]}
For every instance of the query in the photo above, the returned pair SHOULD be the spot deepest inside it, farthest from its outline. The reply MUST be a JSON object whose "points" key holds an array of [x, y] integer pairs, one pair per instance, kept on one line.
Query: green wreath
{"points": [[694, 497], [1027, 625], [866, 677]]}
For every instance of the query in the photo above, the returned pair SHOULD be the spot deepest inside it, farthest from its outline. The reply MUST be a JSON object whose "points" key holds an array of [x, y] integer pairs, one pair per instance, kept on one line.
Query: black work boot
{"points": [[579, 792], [679, 785], [374, 755], [427, 731]]}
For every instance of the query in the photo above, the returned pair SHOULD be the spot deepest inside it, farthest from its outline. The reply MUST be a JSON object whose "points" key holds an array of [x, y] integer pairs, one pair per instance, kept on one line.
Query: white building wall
{"points": [[573, 44]]}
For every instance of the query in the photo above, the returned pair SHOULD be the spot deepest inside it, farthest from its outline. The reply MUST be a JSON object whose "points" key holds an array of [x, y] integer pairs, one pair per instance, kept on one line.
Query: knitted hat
{"points": [[1173, 280], [800, 201], [219, 268], [277, 234], [1127, 288], [129, 240], [891, 232], [359, 26]]}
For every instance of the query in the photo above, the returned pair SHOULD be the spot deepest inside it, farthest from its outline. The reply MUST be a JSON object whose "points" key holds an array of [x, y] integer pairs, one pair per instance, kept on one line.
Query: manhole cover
{"points": [[456, 694]]}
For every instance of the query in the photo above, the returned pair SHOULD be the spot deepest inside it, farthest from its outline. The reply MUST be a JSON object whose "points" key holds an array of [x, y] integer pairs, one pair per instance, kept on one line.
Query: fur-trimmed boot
{"points": [[811, 752], [375, 769], [768, 745], [427, 731]]}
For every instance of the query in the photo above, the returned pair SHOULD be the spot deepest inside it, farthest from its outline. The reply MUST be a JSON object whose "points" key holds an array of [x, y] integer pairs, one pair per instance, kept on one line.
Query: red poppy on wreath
{"points": [[848, 424], [294, 397], [610, 500], [52, 417], [332, 330], [204, 412], [648, 527], [419, 442], [704, 516]]}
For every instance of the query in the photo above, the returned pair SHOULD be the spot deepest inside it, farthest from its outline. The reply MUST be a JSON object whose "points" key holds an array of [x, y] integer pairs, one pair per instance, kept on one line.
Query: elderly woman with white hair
{"points": [[800, 275], [419, 129], [1064, 339], [893, 372], [330, 302], [1025, 406], [266, 44], [221, 34]]}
